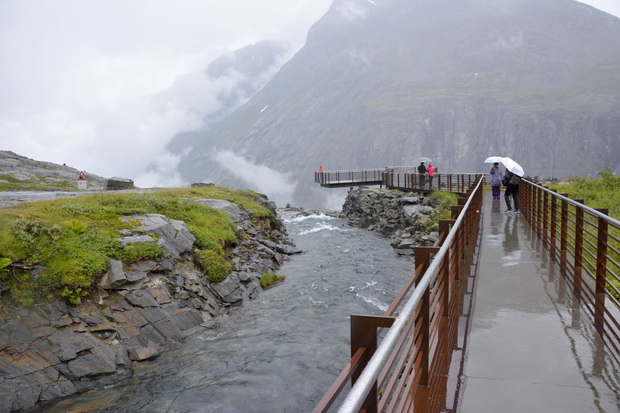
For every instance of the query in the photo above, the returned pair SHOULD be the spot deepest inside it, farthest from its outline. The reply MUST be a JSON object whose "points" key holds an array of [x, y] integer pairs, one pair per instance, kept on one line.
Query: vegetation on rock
{"points": [[443, 210], [602, 192], [269, 279], [60, 248]]}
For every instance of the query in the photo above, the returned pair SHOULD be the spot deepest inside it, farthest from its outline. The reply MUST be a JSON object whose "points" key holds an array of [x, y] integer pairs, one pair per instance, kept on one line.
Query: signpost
{"points": [[82, 181]]}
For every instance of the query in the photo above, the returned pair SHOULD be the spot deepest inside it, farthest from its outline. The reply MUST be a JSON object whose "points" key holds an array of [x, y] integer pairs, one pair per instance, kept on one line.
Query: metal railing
{"points": [[401, 177], [408, 370], [350, 177], [458, 183], [585, 244]]}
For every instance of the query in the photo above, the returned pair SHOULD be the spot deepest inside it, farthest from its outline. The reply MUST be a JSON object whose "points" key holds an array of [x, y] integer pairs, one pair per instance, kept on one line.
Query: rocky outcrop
{"points": [[30, 174], [119, 183], [52, 350], [393, 214]]}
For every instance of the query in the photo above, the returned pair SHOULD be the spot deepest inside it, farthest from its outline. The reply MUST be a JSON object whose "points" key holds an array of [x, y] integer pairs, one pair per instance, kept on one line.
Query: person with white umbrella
{"points": [[511, 181], [496, 180]]}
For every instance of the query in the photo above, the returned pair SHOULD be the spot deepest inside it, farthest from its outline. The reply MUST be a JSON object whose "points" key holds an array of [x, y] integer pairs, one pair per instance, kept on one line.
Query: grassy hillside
{"points": [[68, 242], [603, 192]]}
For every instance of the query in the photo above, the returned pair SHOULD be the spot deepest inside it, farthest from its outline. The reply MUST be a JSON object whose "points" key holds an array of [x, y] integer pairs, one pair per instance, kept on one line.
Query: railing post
{"points": [[536, 201], [553, 225], [545, 219], [601, 273], [564, 236], [421, 393], [364, 334], [578, 249]]}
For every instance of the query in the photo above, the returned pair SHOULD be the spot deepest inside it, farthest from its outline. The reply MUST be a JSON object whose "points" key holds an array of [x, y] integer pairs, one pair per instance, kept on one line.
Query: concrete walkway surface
{"points": [[531, 348]]}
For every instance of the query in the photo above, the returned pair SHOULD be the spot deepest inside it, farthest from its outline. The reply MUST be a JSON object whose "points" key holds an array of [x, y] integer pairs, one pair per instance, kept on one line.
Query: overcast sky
{"points": [[102, 85]]}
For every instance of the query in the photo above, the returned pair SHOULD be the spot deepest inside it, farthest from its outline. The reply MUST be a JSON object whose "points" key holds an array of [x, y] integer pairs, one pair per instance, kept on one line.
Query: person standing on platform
{"points": [[422, 174], [320, 174], [512, 189], [496, 180], [431, 174]]}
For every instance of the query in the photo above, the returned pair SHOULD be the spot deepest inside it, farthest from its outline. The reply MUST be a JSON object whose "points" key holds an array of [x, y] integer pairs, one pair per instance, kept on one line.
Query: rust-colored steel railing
{"points": [[405, 178], [408, 370], [349, 177], [458, 183], [585, 244]]}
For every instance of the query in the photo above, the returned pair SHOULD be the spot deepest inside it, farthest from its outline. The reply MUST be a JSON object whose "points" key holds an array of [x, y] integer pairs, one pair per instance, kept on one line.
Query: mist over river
{"points": [[280, 352]]}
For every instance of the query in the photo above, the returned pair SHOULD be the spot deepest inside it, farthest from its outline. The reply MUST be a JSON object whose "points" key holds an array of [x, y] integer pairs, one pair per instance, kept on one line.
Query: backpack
{"points": [[506, 180]]}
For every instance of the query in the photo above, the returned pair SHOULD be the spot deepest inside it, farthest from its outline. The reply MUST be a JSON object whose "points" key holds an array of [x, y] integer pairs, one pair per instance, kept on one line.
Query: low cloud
{"points": [[352, 11], [105, 86], [509, 43], [278, 186]]}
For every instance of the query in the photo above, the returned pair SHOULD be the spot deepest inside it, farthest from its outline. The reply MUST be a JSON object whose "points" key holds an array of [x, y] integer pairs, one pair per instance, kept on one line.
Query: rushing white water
{"points": [[280, 352]]}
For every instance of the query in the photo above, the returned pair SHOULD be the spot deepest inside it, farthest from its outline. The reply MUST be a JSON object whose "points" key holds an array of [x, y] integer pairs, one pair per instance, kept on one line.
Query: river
{"points": [[280, 352]]}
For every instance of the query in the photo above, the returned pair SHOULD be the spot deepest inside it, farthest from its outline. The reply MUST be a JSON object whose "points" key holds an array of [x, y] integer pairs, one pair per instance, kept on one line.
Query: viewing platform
{"points": [[405, 178]]}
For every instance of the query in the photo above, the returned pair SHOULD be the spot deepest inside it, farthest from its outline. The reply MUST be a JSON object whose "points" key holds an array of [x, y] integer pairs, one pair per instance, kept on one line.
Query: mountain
{"points": [[18, 173], [246, 70], [382, 83]]}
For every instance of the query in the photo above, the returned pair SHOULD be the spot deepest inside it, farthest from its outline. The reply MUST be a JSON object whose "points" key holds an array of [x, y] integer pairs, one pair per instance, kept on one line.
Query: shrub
{"points": [[140, 251], [269, 279], [214, 265]]}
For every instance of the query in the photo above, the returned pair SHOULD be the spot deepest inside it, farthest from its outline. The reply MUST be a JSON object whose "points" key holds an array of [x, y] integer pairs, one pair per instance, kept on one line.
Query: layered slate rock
{"points": [[52, 350], [392, 214]]}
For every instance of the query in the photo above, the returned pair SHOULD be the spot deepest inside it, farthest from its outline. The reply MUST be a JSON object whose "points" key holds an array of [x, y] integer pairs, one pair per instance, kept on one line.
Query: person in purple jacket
{"points": [[496, 180]]}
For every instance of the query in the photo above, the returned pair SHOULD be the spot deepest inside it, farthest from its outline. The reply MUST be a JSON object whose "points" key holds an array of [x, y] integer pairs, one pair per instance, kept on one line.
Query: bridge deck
{"points": [[530, 346]]}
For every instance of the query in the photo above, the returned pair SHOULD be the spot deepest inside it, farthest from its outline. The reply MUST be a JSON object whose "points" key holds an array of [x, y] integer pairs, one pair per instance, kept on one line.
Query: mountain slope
{"points": [[383, 83]]}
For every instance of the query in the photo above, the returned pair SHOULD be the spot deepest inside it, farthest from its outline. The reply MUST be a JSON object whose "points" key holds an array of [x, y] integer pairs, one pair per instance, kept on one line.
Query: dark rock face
{"points": [[52, 350], [454, 81], [392, 214], [119, 183]]}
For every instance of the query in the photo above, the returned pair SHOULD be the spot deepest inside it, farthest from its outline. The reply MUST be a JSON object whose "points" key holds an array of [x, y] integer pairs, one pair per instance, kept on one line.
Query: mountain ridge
{"points": [[382, 85]]}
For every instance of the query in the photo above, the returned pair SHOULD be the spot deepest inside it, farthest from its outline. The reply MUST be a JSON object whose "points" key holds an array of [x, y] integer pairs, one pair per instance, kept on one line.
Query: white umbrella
{"points": [[512, 166], [493, 159], [424, 159]]}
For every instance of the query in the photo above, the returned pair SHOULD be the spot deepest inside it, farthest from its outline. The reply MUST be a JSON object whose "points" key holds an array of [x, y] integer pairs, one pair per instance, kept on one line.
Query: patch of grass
{"points": [[602, 192], [443, 210], [214, 265], [269, 279], [60, 248], [36, 183]]}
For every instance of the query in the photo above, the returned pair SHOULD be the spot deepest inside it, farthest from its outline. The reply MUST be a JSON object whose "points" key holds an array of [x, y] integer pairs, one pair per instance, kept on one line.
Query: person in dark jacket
{"points": [[422, 174], [512, 189]]}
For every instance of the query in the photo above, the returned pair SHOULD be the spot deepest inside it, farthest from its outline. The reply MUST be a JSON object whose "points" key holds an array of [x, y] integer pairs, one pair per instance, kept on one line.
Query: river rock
{"points": [[392, 214], [51, 350]]}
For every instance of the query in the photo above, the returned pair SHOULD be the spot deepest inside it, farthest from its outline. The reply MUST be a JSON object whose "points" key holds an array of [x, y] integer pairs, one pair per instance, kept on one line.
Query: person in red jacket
{"points": [[431, 173]]}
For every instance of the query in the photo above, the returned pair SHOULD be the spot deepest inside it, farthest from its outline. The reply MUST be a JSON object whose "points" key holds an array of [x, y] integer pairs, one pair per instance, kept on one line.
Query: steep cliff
{"points": [[383, 83]]}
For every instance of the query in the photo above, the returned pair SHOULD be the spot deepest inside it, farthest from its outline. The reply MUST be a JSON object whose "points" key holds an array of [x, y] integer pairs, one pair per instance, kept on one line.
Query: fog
{"points": [[104, 85]]}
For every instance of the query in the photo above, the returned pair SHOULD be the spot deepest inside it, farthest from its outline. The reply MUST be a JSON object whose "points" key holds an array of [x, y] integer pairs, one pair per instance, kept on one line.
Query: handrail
{"points": [[585, 243], [425, 313], [406, 178]]}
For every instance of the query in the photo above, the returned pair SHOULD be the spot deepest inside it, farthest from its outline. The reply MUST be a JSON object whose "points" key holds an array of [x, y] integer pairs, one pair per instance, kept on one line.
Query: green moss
{"points": [[269, 279], [443, 209], [214, 265], [71, 241], [140, 251]]}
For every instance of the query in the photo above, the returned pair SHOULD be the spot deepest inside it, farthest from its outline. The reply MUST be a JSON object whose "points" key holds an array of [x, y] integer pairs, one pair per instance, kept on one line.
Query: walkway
{"points": [[530, 347]]}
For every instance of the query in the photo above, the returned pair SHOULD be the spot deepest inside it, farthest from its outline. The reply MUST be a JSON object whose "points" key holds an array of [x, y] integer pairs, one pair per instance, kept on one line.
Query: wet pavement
{"points": [[531, 348]]}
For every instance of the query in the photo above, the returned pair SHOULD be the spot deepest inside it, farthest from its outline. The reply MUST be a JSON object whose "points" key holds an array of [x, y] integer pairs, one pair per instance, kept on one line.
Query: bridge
{"points": [[506, 312]]}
